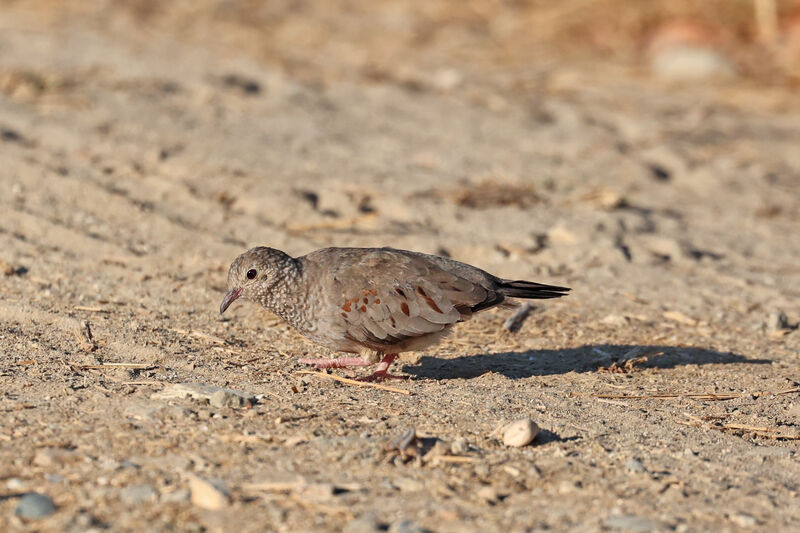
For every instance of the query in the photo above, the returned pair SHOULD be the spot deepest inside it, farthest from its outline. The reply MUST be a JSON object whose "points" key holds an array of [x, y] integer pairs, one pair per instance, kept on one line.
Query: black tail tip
{"points": [[532, 290]]}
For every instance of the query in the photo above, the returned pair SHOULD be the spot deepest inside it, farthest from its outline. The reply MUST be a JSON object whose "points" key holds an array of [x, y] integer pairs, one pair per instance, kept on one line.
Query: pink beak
{"points": [[229, 298]]}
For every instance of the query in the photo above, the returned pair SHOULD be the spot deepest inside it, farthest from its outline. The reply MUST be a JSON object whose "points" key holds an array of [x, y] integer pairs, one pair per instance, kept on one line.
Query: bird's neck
{"points": [[283, 296]]}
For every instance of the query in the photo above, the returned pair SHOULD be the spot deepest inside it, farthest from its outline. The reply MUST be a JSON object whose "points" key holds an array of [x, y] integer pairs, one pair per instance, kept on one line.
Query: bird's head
{"points": [[253, 274]]}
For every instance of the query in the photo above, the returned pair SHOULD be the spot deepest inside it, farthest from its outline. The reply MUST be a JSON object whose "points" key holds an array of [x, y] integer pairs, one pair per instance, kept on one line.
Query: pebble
{"points": [[137, 494], [617, 321], [405, 526], [691, 63], [488, 494], [520, 432], [459, 447], [208, 495], [743, 520], [217, 396], [635, 465], [34, 505], [318, 492], [231, 398], [777, 321], [14, 484], [48, 457]]}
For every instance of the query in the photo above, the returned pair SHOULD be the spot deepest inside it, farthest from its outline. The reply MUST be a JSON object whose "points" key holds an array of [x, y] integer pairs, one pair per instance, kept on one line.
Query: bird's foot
{"points": [[377, 377], [381, 371], [341, 362]]}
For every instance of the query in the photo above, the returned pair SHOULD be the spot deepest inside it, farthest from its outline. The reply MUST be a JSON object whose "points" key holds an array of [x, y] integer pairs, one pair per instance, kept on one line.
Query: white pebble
{"points": [[520, 432]]}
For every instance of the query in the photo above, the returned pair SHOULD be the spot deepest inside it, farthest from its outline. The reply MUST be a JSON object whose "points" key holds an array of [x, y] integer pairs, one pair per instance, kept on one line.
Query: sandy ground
{"points": [[136, 167]]}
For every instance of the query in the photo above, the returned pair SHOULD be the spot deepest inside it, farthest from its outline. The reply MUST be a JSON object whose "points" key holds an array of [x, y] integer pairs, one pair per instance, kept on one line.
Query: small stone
{"points": [[567, 487], [459, 447], [635, 465], [691, 63], [777, 321], [488, 494], [679, 317], [633, 523], [202, 391], [176, 496], [14, 484], [48, 457], [520, 432], [561, 235], [34, 505], [617, 321], [208, 495], [743, 520], [405, 526], [318, 492], [8, 269], [231, 398], [447, 79], [137, 494]]}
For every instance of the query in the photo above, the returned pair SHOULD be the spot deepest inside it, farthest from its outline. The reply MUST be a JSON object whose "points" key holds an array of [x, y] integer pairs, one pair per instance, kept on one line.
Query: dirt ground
{"points": [[137, 161]]}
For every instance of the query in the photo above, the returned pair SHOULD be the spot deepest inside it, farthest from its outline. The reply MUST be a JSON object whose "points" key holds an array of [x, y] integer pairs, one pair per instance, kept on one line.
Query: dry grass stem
{"points": [[355, 382]]}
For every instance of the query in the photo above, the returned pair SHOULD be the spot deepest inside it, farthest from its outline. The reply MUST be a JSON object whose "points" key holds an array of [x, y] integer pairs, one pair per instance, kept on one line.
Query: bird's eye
{"points": [[251, 274]]}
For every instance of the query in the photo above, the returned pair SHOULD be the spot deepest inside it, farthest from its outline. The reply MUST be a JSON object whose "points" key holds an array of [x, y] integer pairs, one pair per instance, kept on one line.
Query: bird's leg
{"points": [[380, 371], [340, 362]]}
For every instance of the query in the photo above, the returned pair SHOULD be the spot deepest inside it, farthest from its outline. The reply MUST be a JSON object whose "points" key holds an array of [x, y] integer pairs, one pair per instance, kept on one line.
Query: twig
{"points": [[695, 395], [515, 321], [141, 366], [90, 309], [354, 382], [85, 338], [612, 402], [771, 433], [454, 459]]}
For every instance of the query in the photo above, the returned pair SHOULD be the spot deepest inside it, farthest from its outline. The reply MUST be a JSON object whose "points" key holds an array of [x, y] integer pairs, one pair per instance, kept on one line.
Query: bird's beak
{"points": [[229, 298]]}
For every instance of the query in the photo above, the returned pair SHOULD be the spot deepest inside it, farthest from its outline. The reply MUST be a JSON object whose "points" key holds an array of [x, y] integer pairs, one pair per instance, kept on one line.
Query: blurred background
{"points": [[443, 44]]}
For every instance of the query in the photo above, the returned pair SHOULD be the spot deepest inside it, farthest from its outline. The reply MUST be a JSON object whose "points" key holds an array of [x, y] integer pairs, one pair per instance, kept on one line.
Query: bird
{"points": [[372, 303]]}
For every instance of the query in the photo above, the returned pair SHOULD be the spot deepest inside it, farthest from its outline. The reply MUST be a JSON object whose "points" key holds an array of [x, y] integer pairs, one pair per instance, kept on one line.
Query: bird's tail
{"points": [[531, 290]]}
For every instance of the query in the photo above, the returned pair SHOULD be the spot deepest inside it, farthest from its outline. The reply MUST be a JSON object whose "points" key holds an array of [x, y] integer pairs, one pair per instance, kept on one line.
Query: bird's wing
{"points": [[387, 296]]}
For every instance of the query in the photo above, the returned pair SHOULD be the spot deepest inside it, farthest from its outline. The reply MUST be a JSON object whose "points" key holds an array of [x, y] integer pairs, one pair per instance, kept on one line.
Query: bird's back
{"points": [[384, 299]]}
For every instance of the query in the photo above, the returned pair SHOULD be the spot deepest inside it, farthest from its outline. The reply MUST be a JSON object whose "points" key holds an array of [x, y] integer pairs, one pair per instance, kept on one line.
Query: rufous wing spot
{"points": [[346, 306], [363, 309], [399, 291], [377, 300], [404, 309], [428, 300], [366, 301]]}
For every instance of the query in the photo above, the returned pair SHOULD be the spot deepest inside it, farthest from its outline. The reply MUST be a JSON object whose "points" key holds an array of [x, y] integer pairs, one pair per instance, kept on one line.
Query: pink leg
{"points": [[341, 362], [380, 371]]}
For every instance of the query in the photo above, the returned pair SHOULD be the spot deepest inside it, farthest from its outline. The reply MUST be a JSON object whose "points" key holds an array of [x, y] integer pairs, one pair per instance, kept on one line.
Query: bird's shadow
{"points": [[517, 365]]}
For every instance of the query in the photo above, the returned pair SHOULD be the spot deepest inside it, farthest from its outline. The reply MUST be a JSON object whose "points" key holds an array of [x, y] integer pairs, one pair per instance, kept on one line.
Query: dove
{"points": [[371, 303]]}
